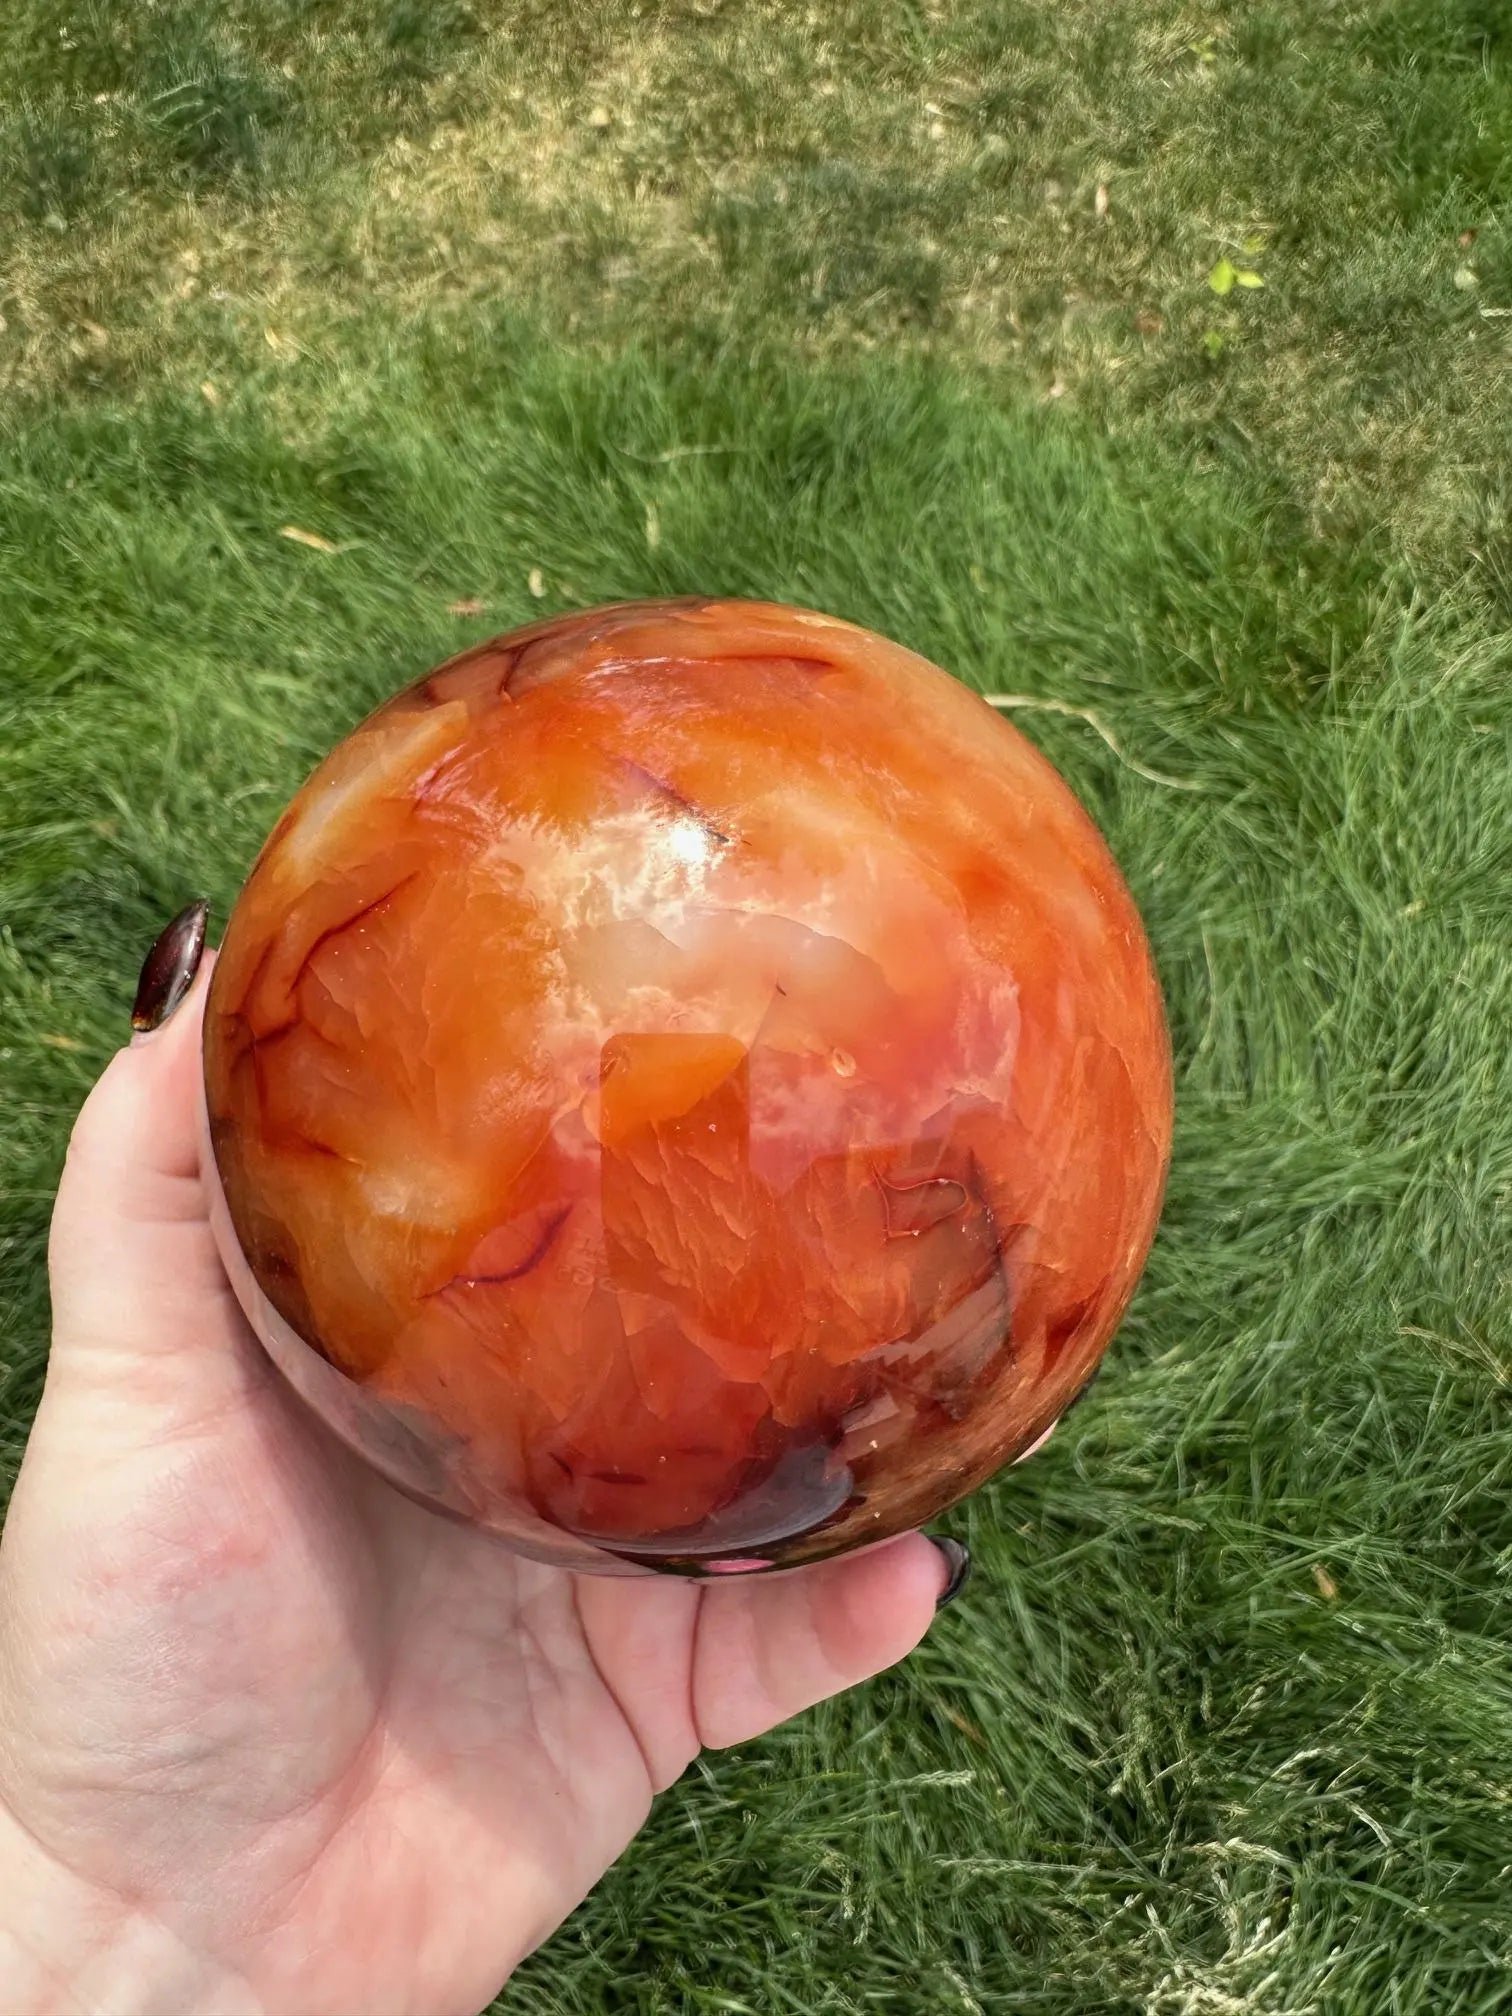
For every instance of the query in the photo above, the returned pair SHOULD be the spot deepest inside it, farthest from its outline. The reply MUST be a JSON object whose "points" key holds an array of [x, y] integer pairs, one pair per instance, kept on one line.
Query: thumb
{"points": [[130, 1256]]}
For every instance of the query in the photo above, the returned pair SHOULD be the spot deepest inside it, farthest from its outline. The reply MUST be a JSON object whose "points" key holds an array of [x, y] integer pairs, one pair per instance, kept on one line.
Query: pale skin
{"points": [[273, 1739]]}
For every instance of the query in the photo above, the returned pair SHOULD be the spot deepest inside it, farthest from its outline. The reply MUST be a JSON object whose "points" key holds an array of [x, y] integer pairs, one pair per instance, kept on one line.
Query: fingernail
{"points": [[168, 970], [957, 1570], [1039, 1442]]}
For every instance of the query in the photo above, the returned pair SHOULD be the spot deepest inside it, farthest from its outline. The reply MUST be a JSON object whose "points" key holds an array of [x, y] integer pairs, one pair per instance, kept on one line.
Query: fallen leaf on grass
{"points": [[55, 1042], [209, 392], [535, 581], [1100, 200], [1466, 279], [1328, 1589], [470, 605], [1226, 276], [1148, 322], [313, 540]]}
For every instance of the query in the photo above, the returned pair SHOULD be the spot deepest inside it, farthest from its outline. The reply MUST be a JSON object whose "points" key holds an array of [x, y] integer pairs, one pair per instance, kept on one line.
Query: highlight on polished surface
{"points": [[688, 1089]]}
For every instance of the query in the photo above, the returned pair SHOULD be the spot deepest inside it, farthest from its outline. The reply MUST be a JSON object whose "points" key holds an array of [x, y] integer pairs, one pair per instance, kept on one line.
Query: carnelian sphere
{"points": [[688, 1088]]}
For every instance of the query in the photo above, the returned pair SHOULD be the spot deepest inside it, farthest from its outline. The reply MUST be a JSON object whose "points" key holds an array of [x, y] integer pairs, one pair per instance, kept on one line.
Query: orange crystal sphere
{"points": [[688, 1089]]}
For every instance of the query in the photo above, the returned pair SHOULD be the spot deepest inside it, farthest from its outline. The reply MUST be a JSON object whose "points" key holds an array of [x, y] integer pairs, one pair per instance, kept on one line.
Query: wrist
{"points": [[68, 1949]]}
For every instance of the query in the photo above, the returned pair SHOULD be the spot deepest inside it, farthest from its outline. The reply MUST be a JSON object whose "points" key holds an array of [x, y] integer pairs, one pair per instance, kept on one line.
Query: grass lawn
{"points": [[945, 318]]}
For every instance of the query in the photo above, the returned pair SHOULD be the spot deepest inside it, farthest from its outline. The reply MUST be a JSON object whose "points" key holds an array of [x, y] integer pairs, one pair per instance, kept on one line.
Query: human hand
{"points": [[274, 1739]]}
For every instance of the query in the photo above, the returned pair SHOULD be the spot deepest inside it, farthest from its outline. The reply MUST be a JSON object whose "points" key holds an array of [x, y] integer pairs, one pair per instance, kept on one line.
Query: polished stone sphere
{"points": [[688, 1089]]}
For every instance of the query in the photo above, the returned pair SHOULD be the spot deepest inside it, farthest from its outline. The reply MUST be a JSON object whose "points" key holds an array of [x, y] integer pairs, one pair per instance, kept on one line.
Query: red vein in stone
{"points": [[532, 1259]]}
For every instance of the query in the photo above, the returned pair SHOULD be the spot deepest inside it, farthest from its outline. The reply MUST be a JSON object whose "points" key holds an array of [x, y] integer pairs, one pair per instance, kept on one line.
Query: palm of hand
{"points": [[364, 1757]]}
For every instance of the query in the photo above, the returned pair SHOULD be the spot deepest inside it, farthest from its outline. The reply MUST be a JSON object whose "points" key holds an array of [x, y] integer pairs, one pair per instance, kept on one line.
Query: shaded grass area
{"points": [[1040, 190], [1224, 1721]]}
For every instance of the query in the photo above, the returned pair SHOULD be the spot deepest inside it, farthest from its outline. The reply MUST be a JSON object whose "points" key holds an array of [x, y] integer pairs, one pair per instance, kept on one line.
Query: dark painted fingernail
{"points": [[168, 970], [957, 1569]]}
